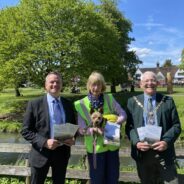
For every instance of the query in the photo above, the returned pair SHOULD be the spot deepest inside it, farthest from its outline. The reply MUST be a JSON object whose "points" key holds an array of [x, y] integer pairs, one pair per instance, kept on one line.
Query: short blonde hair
{"points": [[98, 78]]}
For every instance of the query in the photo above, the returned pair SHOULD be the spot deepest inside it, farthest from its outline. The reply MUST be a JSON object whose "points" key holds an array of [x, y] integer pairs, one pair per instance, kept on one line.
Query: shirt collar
{"points": [[148, 96], [50, 98]]}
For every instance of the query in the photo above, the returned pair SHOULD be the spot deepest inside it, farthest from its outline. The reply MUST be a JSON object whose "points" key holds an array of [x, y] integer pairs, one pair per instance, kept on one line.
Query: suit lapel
{"points": [[158, 100], [46, 111], [140, 110]]}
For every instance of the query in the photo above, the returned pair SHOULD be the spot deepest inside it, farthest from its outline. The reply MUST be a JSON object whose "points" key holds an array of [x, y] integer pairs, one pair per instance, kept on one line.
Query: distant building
{"points": [[161, 72]]}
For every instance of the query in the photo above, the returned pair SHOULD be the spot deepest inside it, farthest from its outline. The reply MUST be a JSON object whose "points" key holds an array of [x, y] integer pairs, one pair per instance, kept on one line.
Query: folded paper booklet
{"points": [[64, 131], [149, 133], [112, 134]]}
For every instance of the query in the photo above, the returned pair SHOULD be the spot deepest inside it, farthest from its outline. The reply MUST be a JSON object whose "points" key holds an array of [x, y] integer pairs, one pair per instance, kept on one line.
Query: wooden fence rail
{"points": [[12, 170]]}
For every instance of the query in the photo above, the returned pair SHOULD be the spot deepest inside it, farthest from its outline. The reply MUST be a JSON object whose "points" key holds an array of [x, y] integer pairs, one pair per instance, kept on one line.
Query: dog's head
{"points": [[97, 119]]}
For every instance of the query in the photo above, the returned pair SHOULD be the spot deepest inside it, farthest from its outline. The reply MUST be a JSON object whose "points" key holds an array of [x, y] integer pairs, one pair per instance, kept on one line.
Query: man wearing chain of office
{"points": [[153, 126]]}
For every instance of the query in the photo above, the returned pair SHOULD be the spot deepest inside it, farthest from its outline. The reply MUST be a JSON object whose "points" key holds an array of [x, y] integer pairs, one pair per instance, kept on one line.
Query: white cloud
{"points": [[151, 56], [150, 23], [141, 52]]}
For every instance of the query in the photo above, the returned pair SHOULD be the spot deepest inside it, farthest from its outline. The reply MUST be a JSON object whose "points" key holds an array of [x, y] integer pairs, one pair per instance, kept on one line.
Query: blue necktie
{"points": [[150, 113], [150, 105], [57, 112]]}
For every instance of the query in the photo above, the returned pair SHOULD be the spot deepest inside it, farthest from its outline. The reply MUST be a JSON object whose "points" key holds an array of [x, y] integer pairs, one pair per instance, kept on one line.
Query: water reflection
{"points": [[11, 138], [14, 158], [10, 158]]}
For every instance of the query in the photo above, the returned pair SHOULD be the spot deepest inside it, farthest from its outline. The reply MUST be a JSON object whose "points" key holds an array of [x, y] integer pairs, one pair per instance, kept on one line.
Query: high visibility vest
{"points": [[83, 108]]}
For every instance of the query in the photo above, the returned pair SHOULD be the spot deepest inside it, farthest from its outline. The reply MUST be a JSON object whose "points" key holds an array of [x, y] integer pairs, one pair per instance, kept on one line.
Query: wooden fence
{"points": [[72, 173]]}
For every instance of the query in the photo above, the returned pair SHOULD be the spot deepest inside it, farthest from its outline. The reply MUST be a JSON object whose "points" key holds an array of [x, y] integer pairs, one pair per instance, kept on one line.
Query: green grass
{"points": [[11, 104], [12, 180], [21, 180], [10, 127], [179, 101]]}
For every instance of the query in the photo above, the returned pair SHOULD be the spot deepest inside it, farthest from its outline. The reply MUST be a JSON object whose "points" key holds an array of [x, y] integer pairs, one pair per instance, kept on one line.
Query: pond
{"points": [[10, 158], [14, 158]]}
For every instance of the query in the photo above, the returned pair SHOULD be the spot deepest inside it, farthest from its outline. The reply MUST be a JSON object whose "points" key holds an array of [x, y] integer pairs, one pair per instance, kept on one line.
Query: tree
{"points": [[167, 63], [12, 42], [69, 36], [73, 37], [128, 59], [181, 66]]}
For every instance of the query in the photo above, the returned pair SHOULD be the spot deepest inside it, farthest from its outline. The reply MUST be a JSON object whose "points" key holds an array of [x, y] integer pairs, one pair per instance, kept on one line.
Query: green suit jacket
{"points": [[167, 118]]}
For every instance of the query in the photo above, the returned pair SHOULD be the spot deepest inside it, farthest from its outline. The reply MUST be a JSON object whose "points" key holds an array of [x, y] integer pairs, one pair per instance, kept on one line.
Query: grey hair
{"points": [[148, 73], [53, 73]]}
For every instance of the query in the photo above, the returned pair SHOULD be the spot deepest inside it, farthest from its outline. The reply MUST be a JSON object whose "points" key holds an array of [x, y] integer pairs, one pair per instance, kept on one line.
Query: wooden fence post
{"points": [[27, 177], [86, 164]]}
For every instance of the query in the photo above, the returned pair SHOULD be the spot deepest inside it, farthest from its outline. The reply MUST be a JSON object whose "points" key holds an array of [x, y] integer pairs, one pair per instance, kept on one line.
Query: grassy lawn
{"points": [[9, 104], [16, 105]]}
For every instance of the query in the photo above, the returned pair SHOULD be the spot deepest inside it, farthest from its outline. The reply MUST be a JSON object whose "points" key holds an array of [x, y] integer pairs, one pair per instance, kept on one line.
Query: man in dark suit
{"points": [[155, 160], [38, 125]]}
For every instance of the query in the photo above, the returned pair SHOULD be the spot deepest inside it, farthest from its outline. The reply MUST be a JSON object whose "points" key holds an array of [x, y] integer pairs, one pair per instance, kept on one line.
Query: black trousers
{"points": [[154, 170], [58, 166]]}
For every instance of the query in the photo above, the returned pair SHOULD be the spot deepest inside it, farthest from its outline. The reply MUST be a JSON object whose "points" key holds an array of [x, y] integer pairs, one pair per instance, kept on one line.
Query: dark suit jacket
{"points": [[36, 130], [167, 118]]}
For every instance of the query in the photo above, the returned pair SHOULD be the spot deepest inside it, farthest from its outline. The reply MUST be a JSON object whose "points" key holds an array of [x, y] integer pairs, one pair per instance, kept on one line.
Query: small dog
{"points": [[97, 123], [97, 119]]}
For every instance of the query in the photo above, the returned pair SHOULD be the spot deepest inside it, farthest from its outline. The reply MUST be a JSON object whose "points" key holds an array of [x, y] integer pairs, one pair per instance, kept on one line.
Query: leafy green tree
{"points": [[128, 59], [167, 63], [12, 42], [69, 36], [182, 60], [73, 37]]}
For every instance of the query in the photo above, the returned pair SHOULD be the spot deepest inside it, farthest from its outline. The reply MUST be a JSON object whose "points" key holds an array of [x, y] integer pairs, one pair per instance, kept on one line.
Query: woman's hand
{"points": [[97, 130]]}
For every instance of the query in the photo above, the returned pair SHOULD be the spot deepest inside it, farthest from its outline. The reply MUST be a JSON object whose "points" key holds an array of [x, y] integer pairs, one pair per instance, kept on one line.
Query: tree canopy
{"points": [[167, 63], [73, 37], [182, 60]]}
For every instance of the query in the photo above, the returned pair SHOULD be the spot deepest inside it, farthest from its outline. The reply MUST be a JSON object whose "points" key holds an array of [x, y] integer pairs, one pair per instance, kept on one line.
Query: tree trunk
{"points": [[113, 86], [17, 92], [132, 88]]}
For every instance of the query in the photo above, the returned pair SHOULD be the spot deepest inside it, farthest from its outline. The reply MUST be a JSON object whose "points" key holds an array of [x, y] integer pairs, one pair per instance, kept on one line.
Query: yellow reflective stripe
{"points": [[85, 111]]}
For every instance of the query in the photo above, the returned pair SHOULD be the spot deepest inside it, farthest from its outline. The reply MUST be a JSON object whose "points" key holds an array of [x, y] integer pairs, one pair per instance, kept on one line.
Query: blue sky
{"points": [[158, 28], [4, 3]]}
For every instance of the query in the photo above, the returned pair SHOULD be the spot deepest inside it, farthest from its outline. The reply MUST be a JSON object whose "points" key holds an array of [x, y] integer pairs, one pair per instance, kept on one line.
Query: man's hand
{"points": [[159, 146], [52, 144], [143, 146]]}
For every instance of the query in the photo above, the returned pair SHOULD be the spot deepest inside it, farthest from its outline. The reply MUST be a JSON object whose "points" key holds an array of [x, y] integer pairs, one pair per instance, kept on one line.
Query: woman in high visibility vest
{"points": [[103, 158]]}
